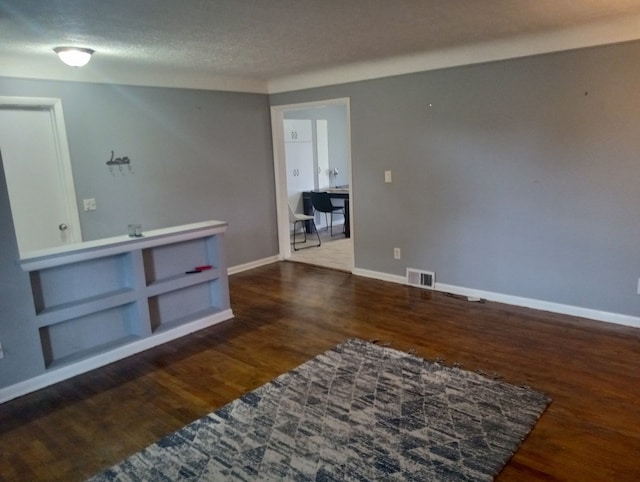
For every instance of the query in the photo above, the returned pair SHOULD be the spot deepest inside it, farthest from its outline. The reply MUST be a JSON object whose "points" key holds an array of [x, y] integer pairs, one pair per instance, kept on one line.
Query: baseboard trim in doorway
{"points": [[239, 268]]}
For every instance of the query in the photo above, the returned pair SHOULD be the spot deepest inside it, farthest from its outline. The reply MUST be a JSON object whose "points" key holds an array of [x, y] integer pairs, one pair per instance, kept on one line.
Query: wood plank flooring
{"points": [[288, 312]]}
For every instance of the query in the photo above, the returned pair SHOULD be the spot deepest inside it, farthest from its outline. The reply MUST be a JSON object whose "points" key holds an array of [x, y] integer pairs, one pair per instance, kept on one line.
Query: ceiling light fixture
{"points": [[74, 56]]}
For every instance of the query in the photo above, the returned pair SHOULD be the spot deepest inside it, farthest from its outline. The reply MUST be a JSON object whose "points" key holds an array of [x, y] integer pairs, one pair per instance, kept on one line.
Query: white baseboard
{"points": [[253, 264], [59, 374], [392, 278], [608, 317]]}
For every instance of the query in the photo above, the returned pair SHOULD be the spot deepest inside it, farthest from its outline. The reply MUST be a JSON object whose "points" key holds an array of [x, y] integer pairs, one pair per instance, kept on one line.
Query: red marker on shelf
{"points": [[202, 268]]}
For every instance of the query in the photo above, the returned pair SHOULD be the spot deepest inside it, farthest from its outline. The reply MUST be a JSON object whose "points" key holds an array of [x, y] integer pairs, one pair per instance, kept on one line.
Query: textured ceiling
{"points": [[262, 40]]}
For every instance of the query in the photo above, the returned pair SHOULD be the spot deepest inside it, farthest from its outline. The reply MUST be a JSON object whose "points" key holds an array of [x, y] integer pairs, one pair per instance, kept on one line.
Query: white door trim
{"points": [[279, 164], [54, 106]]}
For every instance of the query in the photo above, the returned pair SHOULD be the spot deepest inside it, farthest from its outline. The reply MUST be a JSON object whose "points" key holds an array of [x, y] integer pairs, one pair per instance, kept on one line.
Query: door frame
{"points": [[280, 167], [63, 158]]}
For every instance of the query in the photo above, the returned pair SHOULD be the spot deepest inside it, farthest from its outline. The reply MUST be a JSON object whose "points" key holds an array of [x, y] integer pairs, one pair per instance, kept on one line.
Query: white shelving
{"points": [[100, 301]]}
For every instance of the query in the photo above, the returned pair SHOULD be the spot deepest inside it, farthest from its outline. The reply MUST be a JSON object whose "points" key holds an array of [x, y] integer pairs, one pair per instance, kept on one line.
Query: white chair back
{"points": [[292, 215]]}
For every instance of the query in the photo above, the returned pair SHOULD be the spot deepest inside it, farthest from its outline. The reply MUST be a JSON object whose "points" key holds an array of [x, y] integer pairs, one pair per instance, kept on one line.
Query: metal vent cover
{"points": [[421, 278]]}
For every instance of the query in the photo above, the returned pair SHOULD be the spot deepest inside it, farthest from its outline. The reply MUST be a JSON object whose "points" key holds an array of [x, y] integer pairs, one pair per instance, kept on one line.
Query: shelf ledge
{"points": [[72, 253]]}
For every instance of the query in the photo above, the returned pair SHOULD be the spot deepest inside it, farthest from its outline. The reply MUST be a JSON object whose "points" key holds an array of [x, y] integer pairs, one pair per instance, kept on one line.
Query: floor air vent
{"points": [[421, 279]]}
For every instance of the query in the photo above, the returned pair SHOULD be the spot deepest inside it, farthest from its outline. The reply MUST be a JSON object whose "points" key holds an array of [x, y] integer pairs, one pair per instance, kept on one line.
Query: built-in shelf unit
{"points": [[100, 301]]}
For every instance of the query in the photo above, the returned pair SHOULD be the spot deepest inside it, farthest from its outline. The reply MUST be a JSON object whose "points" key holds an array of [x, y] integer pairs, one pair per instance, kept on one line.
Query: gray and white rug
{"points": [[358, 412]]}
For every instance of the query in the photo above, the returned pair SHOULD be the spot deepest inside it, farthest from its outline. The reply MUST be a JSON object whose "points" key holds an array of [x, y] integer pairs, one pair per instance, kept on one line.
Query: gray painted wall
{"points": [[521, 178], [195, 155]]}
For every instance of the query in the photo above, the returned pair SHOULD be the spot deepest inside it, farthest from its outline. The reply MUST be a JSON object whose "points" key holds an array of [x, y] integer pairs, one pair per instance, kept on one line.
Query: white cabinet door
{"points": [[297, 130], [300, 176], [298, 148], [322, 148]]}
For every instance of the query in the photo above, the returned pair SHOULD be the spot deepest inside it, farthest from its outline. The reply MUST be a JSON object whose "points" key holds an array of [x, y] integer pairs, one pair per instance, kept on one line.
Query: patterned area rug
{"points": [[358, 412]]}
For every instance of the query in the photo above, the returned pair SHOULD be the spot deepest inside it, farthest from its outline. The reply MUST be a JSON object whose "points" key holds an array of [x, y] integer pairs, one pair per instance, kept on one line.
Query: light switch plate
{"points": [[387, 176], [89, 204]]}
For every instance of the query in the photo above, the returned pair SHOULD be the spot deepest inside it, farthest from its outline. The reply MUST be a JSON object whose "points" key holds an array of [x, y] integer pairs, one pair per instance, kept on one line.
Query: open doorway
{"points": [[331, 152]]}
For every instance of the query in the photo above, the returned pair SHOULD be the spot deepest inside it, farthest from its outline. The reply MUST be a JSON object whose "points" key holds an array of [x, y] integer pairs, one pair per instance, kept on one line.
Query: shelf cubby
{"points": [[168, 261], [182, 305], [60, 286], [77, 338]]}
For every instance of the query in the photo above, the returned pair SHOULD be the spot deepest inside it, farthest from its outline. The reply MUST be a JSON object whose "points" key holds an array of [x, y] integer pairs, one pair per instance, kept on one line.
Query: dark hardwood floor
{"points": [[286, 313]]}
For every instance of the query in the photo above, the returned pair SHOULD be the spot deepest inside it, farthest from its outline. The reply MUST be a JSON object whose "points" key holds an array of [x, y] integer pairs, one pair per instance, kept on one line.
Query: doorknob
{"points": [[63, 227]]}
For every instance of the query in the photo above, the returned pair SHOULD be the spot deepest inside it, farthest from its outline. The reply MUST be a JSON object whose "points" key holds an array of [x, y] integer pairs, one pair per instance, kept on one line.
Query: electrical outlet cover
{"points": [[89, 204]]}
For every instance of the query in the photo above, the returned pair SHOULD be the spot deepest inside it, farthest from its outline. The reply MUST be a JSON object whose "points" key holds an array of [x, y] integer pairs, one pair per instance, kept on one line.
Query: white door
{"points": [[35, 156]]}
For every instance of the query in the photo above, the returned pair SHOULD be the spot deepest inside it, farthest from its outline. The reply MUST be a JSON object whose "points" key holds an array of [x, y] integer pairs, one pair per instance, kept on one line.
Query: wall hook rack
{"points": [[120, 162]]}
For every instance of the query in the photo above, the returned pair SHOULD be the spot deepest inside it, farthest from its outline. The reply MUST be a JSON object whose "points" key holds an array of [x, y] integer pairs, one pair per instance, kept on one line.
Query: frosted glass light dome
{"points": [[74, 56]]}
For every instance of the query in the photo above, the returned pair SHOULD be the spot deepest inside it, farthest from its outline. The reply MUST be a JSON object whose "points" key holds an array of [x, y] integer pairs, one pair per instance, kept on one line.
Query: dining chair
{"points": [[321, 202], [295, 218]]}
